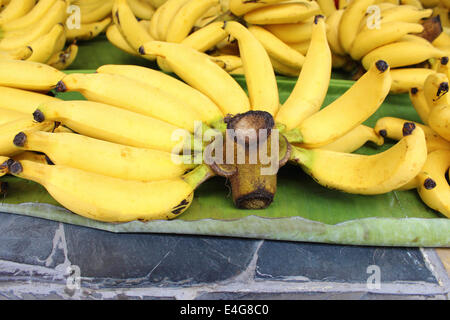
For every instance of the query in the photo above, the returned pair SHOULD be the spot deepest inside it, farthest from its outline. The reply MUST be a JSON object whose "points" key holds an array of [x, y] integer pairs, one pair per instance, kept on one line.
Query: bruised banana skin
{"points": [[111, 159], [105, 198], [3, 165], [435, 89], [61, 60], [362, 174]]}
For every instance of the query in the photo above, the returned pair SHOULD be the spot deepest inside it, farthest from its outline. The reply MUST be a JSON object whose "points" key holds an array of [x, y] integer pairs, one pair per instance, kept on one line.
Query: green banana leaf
{"points": [[302, 210]]}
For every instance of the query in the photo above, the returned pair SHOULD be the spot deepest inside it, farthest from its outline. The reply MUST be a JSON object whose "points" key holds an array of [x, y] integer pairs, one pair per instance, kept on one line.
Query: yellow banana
{"points": [[15, 9], [346, 112], [111, 159], [22, 100], [350, 20], [415, 3], [276, 48], [116, 38], [88, 31], [105, 198], [284, 70], [259, 75], [168, 12], [443, 66], [184, 20], [435, 89], [228, 62], [443, 40], [18, 54], [363, 174], [145, 98], [194, 99], [292, 32], [29, 75], [312, 84], [327, 7], [404, 79], [433, 188], [405, 13], [153, 27], [32, 17], [8, 115], [3, 167], [141, 9], [100, 11], [113, 124], [333, 22], [417, 97], [283, 13], [439, 120], [354, 139], [392, 128], [63, 59], [241, 7], [207, 37], [43, 47], [156, 3], [201, 73], [31, 156]]}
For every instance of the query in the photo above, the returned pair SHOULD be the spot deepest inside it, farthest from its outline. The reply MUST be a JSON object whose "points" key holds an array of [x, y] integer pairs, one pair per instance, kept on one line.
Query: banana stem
{"points": [[294, 136], [302, 157], [199, 175]]}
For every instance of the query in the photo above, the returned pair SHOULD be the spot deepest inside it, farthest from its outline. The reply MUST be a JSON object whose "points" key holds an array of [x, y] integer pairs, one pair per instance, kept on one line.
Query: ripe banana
{"points": [[201, 73], [283, 13], [29, 75], [312, 84], [435, 89], [354, 139], [43, 47], [32, 17], [145, 98], [405, 13], [110, 159], [292, 32], [3, 166], [392, 128], [63, 59], [363, 174], [184, 20], [228, 62], [22, 100], [404, 79], [259, 75], [439, 120], [328, 7], [417, 97], [346, 112], [153, 27], [207, 37], [15, 9], [100, 11], [105, 122], [415, 3], [18, 54], [301, 47], [434, 189], [443, 66], [168, 11], [141, 9], [276, 48], [116, 38], [241, 7], [284, 70], [32, 156], [88, 31], [333, 22], [8, 115], [105, 198]]}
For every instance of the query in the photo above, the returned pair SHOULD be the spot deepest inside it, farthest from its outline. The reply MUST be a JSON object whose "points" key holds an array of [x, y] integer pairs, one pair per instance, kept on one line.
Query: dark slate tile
{"points": [[339, 263], [123, 260]]}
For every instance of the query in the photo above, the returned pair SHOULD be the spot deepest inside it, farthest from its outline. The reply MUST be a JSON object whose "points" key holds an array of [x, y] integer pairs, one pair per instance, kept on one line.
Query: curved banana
{"points": [[328, 7], [370, 39], [22, 100], [88, 31], [43, 47], [8, 115], [32, 17], [259, 75], [276, 48], [241, 7], [29, 75], [201, 73], [61, 60], [228, 62], [346, 112], [141, 9], [207, 37], [32, 156], [111, 159], [433, 188], [116, 38], [439, 120], [184, 20], [355, 139], [442, 41], [153, 27], [100, 11], [392, 128], [417, 97], [443, 66], [404, 79], [168, 11], [292, 32], [435, 89], [15, 9], [312, 84], [145, 98], [105, 122], [333, 22], [405, 13], [294, 12], [350, 21], [18, 54], [363, 174], [105, 198], [208, 111]]}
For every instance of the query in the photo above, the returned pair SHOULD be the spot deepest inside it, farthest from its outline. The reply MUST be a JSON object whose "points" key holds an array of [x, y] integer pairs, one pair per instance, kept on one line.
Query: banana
{"points": [[241, 7], [443, 15], [312, 84], [43, 47], [414, 3], [8, 115], [32, 17], [228, 62], [417, 97], [443, 66], [394, 54], [156, 3], [433, 188], [284, 70], [201, 73], [392, 128], [207, 37], [105, 198], [292, 32], [333, 22], [168, 12], [439, 120], [18, 54], [141, 9], [144, 98], [328, 7], [435, 89], [442, 41], [113, 124], [294, 12], [100, 11], [22, 37], [346, 112], [88, 31], [111, 159], [116, 38], [354, 139], [153, 27], [370, 39], [404, 79], [22, 100], [301, 47], [184, 20], [208, 111], [61, 60], [3, 166], [405, 13], [15, 9], [350, 20], [259, 74], [29, 75], [32, 156], [135, 34], [276, 48], [10, 129], [363, 174]]}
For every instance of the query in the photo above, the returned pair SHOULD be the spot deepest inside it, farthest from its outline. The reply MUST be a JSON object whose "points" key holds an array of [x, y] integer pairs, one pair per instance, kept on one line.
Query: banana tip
{"points": [[444, 60], [15, 167], [429, 184], [141, 50], [20, 139], [414, 90], [382, 65], [38, 116], [408, 128], [317, 17], [61, 87], [383, 133], [443, 88]]}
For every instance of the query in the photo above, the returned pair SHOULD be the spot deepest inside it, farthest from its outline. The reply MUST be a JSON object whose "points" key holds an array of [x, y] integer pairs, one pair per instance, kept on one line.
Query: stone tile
{"points": [[336, 263]]}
